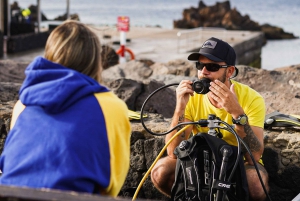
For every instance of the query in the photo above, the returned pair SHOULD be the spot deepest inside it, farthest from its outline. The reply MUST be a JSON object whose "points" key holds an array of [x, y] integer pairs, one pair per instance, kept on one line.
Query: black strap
{"points": [[201, 156]]}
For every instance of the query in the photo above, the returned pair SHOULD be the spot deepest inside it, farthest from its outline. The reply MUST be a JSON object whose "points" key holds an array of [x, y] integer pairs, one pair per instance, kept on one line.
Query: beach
{"points": [[161, 45]]}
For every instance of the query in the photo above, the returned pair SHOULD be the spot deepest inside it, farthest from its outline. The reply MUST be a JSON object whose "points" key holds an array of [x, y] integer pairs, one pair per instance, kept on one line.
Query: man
{"points": [[232, 102]]}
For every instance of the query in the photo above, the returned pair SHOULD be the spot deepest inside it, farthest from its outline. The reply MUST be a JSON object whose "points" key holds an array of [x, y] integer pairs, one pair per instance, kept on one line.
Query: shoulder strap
{"points": [[187, 180]]}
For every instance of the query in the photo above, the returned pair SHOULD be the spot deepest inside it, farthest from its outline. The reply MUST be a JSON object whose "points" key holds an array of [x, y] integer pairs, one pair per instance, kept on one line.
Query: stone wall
{"points": [[248, 52], [27, 41]]}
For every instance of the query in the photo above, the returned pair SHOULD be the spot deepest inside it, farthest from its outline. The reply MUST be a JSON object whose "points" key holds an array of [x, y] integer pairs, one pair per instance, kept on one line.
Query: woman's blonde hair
{"points": [[74, 45]]}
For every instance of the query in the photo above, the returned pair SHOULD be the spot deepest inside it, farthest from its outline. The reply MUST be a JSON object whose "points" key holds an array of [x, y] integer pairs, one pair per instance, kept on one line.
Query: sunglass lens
{"points": [[209, 66], [199, 65], [212, 67]]}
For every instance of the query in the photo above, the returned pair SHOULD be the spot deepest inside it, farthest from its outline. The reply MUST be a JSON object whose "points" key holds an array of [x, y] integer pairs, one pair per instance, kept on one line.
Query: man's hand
{"points": [[226, 98], [183, 93]]}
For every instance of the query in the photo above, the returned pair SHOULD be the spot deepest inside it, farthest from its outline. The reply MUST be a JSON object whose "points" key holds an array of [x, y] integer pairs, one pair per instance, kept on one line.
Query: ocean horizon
{"points": [[281, 13]]}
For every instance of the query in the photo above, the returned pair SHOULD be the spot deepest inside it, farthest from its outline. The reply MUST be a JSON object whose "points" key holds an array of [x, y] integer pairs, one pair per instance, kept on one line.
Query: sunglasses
{"points": [[212, 67]]}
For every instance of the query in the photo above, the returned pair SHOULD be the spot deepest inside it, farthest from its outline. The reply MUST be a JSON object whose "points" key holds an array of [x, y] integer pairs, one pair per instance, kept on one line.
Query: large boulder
{"points": [[109, 57], [221, 15], [132, 70], [64, 17], [135, 93], [140, 71], [233, 20], [274, 32]]}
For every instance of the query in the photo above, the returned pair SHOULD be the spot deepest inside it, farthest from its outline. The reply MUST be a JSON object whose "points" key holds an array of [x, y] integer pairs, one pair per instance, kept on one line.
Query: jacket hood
{"points": [[55, 87]]}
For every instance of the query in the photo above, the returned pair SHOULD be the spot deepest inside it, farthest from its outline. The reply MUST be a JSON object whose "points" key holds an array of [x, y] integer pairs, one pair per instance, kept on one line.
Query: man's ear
{"points": [[230, 71]]}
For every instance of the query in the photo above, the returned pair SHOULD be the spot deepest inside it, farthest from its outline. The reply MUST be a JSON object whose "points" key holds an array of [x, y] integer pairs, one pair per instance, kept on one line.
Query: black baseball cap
{"points": [[215, 50]]}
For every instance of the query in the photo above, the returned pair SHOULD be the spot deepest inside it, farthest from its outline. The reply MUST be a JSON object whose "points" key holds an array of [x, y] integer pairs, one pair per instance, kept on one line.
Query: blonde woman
{"points": [[68, 132]]}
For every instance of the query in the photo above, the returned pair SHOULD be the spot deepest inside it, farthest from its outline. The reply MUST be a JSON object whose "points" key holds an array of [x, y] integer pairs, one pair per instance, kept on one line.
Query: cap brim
{"points": [[195, 57]]}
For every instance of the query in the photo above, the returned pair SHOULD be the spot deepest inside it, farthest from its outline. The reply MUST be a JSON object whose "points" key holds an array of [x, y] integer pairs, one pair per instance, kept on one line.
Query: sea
{"points": [[281, 13]]}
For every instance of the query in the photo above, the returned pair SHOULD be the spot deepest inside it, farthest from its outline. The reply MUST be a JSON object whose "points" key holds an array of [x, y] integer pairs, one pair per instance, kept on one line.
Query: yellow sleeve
{"points": [[118, 130], [256, 111]]}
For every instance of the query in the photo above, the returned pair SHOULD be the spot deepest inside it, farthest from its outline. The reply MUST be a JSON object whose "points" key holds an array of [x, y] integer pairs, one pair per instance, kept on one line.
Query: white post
{"points": [[8, 19], [122, 44], [39, 15]]}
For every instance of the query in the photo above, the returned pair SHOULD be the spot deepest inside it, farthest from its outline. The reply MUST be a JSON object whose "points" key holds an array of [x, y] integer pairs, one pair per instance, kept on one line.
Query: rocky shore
{"points": [[222, 15], [135, 80]]}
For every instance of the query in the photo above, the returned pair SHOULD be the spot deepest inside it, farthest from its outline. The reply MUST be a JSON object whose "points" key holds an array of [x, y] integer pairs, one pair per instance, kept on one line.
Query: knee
{"points": [[257, 193], [160, 174], [156, 175], [256, 190]]}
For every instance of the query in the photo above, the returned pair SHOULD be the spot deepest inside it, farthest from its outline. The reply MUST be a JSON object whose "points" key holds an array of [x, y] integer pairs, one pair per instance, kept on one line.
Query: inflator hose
{"points": [[155, 161]]}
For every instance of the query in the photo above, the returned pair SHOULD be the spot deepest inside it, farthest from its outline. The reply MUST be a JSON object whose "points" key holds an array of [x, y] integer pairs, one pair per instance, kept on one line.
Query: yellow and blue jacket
{"points": [[72, 133]]}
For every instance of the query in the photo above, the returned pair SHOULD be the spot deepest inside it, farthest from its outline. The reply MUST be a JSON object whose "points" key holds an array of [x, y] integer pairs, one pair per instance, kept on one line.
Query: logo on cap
{"points": [[209, 44]]}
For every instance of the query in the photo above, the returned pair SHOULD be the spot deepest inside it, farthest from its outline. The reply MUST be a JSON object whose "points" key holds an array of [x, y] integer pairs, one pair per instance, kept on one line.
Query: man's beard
{"points": [[223, 77]]}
